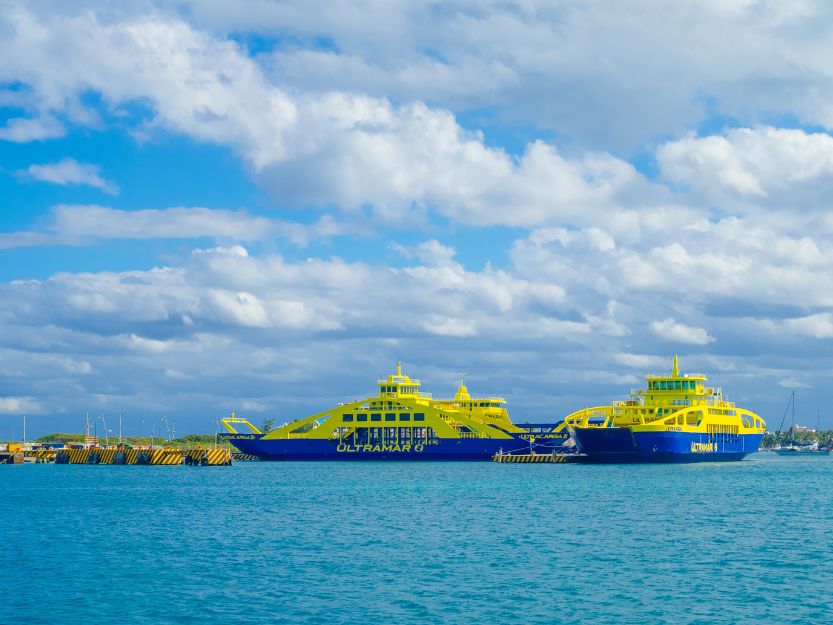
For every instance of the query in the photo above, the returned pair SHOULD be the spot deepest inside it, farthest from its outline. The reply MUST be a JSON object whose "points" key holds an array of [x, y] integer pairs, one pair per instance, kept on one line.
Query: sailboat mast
{"points": [[792, 428]]}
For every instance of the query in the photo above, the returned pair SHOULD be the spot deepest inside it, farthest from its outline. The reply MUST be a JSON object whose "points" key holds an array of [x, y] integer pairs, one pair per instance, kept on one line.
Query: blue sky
{"points": [[262, 206]]}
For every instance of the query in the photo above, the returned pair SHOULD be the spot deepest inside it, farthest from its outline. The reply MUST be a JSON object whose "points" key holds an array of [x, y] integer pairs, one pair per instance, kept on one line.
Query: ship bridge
{"points": [[676, 383], [399, 385]]}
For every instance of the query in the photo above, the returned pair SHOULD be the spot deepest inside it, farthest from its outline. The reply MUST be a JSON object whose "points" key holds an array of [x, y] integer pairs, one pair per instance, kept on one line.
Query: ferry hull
{"points": [[620, 445], [462, 449]]}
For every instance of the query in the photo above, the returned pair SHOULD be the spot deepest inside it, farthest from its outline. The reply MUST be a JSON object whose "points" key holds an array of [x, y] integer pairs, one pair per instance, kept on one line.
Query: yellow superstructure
{"points": [[400, 414], [673, 403]]}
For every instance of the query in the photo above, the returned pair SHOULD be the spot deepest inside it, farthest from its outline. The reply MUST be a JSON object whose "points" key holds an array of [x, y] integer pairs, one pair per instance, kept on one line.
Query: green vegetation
{"points": [[802, 437], [268, 426], [188, 440]]}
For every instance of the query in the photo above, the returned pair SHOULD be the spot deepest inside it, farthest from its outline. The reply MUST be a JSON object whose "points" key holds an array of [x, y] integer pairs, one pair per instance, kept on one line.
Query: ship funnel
{"points": [[675, 370], [462, 392]]}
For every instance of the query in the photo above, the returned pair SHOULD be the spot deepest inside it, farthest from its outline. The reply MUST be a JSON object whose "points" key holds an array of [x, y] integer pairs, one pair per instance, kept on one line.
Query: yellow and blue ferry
{"points": [[400, 423], [676, 418]]}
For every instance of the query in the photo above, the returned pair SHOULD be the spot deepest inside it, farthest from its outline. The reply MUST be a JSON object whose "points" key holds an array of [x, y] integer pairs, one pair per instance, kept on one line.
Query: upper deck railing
{"points": [[682, 376]]}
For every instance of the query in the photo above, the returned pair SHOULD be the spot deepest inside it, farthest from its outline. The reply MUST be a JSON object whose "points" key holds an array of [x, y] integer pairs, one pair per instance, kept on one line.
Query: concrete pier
{"points": [[215, 456]]}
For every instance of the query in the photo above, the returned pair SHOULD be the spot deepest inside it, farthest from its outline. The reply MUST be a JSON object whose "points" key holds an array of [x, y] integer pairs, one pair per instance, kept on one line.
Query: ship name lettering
{"points": [[404, 448], [702, 447]]}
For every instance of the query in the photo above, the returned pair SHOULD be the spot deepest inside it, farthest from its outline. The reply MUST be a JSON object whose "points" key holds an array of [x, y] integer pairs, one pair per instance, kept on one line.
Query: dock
{"points": [[211, 457]]}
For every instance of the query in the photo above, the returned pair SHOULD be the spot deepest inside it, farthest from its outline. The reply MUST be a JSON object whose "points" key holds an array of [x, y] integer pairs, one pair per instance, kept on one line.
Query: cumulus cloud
{"points": [[200, 318], [671, 330], [607, 267], [19, 405], [537, 62], [818, 326], [430, 252], [82, 224], [26, 129], [322, 149], [70, 172], [782, 167]]}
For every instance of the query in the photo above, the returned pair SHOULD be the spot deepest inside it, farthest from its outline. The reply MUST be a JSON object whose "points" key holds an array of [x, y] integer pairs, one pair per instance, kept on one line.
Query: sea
{"points": [[744, 542]]}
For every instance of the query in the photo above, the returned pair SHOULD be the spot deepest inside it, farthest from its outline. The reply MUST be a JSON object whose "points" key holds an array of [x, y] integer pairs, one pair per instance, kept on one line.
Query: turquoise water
{"points": [[745, 542]]}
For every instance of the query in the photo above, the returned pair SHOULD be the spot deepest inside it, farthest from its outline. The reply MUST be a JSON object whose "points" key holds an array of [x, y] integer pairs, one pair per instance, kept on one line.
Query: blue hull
{"points": [[474, 449], [616, 445]]}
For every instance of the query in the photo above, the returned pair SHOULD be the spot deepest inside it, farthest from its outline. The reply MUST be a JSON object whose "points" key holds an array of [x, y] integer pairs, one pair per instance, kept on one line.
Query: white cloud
{"points": [[26, 129], [753, 164], [127, 331], [70, 172], [818, 326], [671, 330], [734, 236], [430, 252], [793, 383], [19, 405], [82, 224], [335, 147], [598, 71]]}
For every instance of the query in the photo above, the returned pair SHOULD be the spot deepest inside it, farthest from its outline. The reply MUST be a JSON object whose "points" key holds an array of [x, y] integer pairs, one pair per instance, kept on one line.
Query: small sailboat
{"points": [[795, 448]]}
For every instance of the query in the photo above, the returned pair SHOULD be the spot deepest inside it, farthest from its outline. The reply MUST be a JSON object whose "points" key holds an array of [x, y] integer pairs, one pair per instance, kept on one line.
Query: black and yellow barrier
{"points": [[207, 457], [216, 456], [239, 455], [534, 458]]}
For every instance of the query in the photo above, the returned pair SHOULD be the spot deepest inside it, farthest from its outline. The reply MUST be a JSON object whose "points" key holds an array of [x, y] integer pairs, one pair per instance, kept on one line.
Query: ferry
{"points": [[400, 423], [676, 418]]}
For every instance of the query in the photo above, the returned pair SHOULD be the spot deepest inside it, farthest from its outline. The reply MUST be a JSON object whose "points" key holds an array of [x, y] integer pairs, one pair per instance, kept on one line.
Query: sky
{"points": [[263, 205]]}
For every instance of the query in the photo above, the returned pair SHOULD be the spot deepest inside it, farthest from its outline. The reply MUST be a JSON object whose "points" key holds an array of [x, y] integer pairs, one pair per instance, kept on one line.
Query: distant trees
{"points": [[801, 436], [267, 426]]}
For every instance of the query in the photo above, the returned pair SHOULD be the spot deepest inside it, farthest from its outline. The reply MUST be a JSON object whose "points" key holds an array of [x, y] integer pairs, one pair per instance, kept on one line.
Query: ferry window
{"points": [[347, 417], [389, 416], [404, 416], [376, 417], [419, 416], [361, 417], [662, 386]]}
